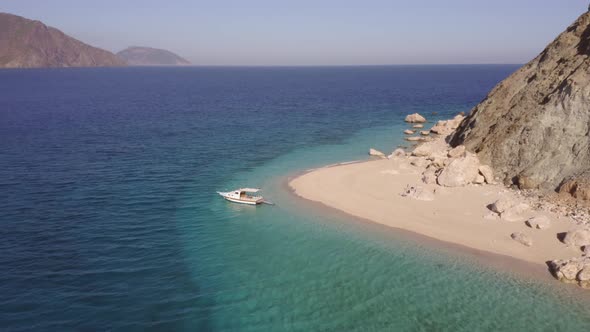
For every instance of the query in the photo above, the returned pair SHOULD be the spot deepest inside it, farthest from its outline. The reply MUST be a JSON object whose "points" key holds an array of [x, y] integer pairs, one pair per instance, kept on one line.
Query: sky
{"points": [[320, 32]]}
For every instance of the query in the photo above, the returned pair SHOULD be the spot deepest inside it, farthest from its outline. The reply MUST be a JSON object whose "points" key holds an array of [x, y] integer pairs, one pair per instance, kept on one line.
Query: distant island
{"points": [[26, 43], [147, 56]]}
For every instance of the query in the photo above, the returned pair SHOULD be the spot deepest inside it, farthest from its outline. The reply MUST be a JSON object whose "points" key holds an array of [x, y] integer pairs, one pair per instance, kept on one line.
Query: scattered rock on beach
{"points": [[479, 179], [460, 172], [419, 162], [539, 222], [414, 118], [409, 132], [577, 238], [376, 153], [522, 238], [397, 153], [515, 213], [501, 205], [418, 192]]}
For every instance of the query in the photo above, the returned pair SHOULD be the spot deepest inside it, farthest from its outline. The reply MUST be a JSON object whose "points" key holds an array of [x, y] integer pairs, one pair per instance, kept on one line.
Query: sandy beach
{"points": [[371, 190]]}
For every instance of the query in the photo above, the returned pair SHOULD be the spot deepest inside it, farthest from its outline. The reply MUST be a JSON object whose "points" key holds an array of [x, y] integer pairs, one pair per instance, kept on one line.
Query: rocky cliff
{"points": [[533, 127], [147, 56], [26, 44]]}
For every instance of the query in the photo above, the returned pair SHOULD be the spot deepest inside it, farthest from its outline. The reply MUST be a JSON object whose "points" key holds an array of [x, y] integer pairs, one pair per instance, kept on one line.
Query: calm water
{"points": [[109, 218]]}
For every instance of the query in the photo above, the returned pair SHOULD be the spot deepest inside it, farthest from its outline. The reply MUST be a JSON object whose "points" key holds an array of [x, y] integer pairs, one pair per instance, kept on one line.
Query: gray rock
{"points": [[522, 239], [535, 123]]}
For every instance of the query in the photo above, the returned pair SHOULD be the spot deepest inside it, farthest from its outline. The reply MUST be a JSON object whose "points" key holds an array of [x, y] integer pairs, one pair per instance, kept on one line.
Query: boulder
{"points": [[568, 270], [586, 250], [441, 128], [424, 133], [429, 176], [409, 132], [501, 205], [414, 118], [419, 162], [460, 172], [418, 192], [525, 182], [418, 126], [487, 173], [583, 277], [479, 179], [397, 153], [457, 152], [515, 213], [376, 153], [539, 222], [522, 239], [577, 238]]}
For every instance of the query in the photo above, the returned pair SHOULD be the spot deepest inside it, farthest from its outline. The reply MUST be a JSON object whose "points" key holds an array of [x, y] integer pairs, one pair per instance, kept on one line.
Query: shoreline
{"points": [[481, 259], [369, 191]]}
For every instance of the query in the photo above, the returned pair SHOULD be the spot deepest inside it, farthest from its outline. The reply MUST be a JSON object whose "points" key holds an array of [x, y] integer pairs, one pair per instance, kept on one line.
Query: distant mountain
{"points": [[26, 43], [147, 56]]}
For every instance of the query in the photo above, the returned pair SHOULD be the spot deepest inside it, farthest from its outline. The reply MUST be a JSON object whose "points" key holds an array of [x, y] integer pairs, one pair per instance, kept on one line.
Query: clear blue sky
{"points": [[306, 32]]}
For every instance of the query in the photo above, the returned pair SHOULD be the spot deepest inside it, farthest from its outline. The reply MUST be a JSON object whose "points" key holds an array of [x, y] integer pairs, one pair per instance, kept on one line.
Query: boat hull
{"points": [[239, 201]]}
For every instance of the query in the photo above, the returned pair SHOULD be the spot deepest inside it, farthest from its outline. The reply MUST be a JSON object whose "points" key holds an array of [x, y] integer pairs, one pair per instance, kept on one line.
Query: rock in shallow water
{"points": [[376, 153], [573, 270]]}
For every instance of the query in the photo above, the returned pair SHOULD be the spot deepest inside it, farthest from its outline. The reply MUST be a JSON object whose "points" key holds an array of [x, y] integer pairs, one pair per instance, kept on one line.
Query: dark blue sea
{"points": [[109, 220]]}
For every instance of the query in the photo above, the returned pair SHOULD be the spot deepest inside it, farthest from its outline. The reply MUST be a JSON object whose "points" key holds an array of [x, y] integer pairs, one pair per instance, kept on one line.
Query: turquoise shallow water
{"points": [[301, 268], [110, 221]]}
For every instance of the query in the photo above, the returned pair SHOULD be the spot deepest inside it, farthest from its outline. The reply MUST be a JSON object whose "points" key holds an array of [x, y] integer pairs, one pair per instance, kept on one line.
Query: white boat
{"points": [[242, 196]]}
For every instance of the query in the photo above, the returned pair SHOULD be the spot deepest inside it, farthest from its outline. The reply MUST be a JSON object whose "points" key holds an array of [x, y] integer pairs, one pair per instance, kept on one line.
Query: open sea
{"points": [[109, 220]]}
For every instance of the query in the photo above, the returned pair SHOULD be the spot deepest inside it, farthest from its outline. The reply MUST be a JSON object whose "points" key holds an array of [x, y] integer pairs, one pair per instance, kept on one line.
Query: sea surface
{"points": [[109, 220]]}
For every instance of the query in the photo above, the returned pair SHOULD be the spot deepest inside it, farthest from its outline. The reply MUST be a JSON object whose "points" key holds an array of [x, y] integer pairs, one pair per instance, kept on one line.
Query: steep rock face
{"points": [[26, 44], [533, 127], [147, 56]]}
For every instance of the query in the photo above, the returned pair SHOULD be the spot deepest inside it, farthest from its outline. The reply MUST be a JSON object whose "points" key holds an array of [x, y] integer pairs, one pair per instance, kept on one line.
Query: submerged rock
{"points": [[418, 126]]}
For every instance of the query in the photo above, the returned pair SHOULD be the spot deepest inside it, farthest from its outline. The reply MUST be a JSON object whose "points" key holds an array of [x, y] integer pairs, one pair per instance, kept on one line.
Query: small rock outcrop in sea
{"points": [[522, 238], [425, 133], [413, 118], [409, 132], [418, 126], [376, 153], [533, 127], [577, 238], [539, 222], [414, 139], [573, 270]]}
